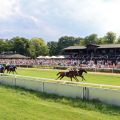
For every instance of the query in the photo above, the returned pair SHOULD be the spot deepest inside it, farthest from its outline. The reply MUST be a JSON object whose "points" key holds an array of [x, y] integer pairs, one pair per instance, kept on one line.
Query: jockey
{"points": [[11, 66], [72, 69]]}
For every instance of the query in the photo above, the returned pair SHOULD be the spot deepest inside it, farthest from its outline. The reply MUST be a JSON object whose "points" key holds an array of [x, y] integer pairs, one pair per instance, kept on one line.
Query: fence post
{"points": [[112, 70], [15, 80], [43, 87], [85, 93], [95, 69]]}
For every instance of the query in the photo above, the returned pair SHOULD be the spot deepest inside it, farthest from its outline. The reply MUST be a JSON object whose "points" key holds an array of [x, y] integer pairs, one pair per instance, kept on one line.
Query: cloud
{"points": [[51, 20], [8, 8]]}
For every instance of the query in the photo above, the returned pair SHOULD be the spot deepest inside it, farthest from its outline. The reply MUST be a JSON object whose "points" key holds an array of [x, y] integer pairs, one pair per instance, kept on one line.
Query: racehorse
{"points": [[2, 69], [11, 68], [69, 74], [72, 74]]}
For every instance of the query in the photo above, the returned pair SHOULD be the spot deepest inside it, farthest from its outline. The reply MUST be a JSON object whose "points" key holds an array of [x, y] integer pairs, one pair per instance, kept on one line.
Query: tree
{"points": [[39, 47], [118, 40], [90, 39], [100, 40], [109, 38], [3, 45], [52, 46], [20, 45], [66, 41], [78, 41]]}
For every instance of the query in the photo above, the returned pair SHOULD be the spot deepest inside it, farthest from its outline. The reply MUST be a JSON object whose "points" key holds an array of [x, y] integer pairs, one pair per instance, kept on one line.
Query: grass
{"points": [[20, 104], [90, 77]]}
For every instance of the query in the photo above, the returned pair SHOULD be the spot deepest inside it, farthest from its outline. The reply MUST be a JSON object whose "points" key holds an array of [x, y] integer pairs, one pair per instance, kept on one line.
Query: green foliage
{"points": [[66, 41], [2, 45], [52, 46], [118, 40], [109, 38], [90, 39], [32, 48], [20, 45], [39, 47]]}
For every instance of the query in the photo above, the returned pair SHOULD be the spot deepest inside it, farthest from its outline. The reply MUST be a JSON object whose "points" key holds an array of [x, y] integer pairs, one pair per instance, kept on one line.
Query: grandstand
{"points": [[92, 51], [90, 56]]}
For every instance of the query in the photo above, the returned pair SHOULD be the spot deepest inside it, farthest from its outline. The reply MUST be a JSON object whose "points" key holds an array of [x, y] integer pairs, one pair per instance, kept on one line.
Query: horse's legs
{"points": [[61, 77], [76, 78], [58, 77], [15, 71], [82, 78]]}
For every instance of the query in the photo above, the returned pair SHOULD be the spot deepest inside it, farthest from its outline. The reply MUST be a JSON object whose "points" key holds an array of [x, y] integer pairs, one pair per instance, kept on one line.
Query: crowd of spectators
{"points": [[63, 62]]}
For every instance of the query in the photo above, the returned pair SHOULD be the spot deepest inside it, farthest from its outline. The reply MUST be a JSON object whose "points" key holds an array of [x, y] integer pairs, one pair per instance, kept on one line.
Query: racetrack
{"points": [[96, 78]]}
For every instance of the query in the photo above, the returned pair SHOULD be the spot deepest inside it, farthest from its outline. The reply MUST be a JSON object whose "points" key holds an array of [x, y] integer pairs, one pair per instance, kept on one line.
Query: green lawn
{"points": [[20, 104], [90, 77]]}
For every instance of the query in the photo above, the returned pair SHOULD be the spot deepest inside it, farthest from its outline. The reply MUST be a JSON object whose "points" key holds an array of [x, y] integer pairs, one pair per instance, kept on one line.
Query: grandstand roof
{"points": [[100, 46], [110, 46], [15, 56], [74, 47]]}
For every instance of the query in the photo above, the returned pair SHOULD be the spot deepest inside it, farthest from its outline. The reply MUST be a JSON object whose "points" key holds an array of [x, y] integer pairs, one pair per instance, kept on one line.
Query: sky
{"points": [[52, 19]]}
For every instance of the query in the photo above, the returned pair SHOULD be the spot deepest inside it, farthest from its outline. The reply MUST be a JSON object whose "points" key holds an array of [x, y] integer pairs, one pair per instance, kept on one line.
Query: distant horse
{"points": [[11, 68], [2, 69], [72, 74]]}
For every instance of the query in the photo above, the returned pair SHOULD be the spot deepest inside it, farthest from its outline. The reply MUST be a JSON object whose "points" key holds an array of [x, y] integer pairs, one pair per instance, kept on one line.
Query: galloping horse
{"points": [[72, 74], [2, 69], [11, 68], [69, 74]]}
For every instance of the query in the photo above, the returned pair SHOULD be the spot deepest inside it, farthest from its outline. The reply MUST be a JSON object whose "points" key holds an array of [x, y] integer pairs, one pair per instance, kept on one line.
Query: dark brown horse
{"points": [[69, 74], [2, 69], [11, 68], [72, 74]]}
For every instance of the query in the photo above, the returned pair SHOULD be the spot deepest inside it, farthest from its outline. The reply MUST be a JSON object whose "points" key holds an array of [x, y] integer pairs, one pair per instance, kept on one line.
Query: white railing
{"points": [[105, 93]]}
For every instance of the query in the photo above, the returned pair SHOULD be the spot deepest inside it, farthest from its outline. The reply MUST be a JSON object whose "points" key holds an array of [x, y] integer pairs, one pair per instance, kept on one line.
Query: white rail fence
{"points": [[79, 90]]}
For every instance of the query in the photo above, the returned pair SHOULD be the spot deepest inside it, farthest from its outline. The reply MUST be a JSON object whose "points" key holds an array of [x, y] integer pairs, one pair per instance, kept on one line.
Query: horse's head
{"points": [[80, 70], [84, 71]]}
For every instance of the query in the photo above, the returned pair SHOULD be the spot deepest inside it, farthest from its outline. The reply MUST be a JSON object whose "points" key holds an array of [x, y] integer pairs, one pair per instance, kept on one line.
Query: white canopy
{"points": [[48, 57], [53, 57], [60, 56], [40, 56]]}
